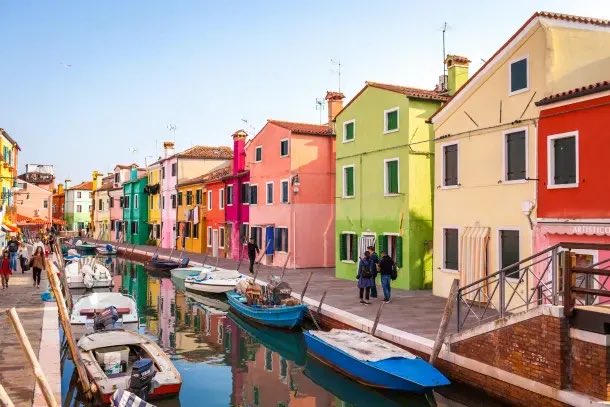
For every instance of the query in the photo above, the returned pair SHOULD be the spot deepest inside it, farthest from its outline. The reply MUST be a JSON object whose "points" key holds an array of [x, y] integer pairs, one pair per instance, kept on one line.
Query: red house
{"points": [[217, 234], [573, 194]]}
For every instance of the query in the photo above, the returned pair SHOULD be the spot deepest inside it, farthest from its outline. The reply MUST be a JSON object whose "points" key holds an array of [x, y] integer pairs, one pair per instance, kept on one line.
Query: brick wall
{"points": [[590, 369], [535, 349]]}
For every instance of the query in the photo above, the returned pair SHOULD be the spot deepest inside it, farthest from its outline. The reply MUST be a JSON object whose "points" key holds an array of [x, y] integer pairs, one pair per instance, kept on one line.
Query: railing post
{"points": [[501, 281], [457, 306], [568, 302], [554, 277]]}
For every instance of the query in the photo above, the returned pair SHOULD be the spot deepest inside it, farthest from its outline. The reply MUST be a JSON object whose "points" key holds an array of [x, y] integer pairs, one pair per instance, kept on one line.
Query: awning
{"points": [[582, 229], [473, 260], [23, 220], [9, 228], [59, 221]]}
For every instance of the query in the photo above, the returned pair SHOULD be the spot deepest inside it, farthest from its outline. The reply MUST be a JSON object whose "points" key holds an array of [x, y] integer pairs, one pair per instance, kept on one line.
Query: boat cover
{"points": [[123, 398], [106, 339], [361, 345]]}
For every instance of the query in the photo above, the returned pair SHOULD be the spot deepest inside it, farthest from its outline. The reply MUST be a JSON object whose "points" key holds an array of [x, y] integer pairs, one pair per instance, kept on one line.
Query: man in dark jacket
{"points": [[13, 248], [386, 268], [253, 250], [375, 260]]}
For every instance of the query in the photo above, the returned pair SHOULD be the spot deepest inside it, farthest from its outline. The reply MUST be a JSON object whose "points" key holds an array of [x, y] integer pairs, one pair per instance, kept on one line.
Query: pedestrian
{"points": [[5, 269], [253, 251], [365, 277], [38, 243], [375, 260], [37, 264], [23, 257], [13, 248], [387, 269]]}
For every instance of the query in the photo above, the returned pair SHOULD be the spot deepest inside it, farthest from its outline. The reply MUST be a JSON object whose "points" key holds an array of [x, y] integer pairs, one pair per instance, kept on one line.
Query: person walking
{"points": [[13, 248], [365, 277], [23, 257], [375, 260], [5, 269], [253, 251], [37, 264], [387, 269]]}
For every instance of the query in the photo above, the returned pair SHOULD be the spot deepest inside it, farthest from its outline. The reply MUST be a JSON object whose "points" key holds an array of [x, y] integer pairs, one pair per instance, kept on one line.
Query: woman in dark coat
{"points": [[365, 277]]}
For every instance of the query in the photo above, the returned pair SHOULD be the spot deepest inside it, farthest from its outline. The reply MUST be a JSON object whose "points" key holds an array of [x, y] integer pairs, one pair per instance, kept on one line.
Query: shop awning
{"points": [[576, 229], [473, 259], [9, 228], [23, 220], [58, 221]]}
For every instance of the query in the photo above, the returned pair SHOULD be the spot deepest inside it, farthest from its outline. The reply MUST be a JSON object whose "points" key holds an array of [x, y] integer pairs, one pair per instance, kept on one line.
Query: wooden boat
{"points": [[85, 248], [180, 274], [91, 275], [156, 264], [373, 361], [214, 281], [114, 358], [107, 250], [87, 306], [277, 316]]}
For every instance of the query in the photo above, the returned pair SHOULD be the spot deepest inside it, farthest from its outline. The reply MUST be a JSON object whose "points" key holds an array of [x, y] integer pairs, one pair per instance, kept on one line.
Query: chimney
{"points": [[60, 188], [168, 146], [97, 180], [239, 151], [335, 104], [457, 72], [67, 183]]}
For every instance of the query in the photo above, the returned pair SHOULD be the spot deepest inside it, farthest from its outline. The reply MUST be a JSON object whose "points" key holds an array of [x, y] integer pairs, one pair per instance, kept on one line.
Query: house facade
{"points": [[217, 234], [155, 202], [292, 191], [191, 219], [384, 180], [101, 205], [238, 199], [121, 174], [486, 172], [58, 206], [77, 210], [135, 209], [8, 175]]}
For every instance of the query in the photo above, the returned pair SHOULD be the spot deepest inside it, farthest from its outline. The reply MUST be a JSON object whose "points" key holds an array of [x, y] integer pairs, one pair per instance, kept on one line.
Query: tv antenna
{"points": [[444, 29], [320, 107], [337, 70], [172, 128], [249, 126]]}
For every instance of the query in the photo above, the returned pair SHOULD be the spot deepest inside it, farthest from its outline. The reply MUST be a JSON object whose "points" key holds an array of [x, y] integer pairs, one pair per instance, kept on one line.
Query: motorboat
{"points": [[126, 360], [88, 312], [85, 248], [87, 275], [180, 274], [211, 302], [123, 398], [213, 281], [72, 255], [373, 361], [108, 250], [157, 264]]}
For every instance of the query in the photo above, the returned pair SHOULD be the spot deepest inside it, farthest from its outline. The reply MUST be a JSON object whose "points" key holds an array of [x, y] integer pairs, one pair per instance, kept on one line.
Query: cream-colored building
{"points": [[485, 148]]}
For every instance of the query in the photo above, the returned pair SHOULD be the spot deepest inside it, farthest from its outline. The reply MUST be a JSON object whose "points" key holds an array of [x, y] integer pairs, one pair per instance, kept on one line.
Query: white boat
{"points": [[108, 250], [90, 275], [180, 274], [87, 306], [214, 281], [126, 360]]}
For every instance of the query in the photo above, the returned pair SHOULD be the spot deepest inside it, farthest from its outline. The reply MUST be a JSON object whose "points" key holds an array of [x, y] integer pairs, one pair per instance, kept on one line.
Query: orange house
{"points": [[217, 234]]}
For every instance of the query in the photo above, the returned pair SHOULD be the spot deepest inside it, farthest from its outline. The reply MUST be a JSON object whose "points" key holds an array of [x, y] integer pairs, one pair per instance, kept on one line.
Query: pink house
{"points": [[292, 190], [237, 187], [121, 174]]}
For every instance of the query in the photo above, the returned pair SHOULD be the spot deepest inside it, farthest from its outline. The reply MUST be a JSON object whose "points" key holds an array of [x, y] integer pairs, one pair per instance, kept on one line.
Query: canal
{"points": [[226, 361]]}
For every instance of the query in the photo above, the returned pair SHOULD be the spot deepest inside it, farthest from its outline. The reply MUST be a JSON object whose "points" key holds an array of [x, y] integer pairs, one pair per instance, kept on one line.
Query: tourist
{"points": [[23, 257], [5, 269], [37, 264], [375, 260], [13, 248], [365, 277], [253, 251], [387, 269]]}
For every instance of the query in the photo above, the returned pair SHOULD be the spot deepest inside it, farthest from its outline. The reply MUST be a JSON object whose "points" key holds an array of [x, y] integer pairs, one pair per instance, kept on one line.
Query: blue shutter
{"points": [[269, 239]]}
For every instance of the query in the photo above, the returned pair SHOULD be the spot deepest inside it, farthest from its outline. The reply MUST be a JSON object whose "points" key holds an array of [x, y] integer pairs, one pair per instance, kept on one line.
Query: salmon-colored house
{"points": [[292, 193]]}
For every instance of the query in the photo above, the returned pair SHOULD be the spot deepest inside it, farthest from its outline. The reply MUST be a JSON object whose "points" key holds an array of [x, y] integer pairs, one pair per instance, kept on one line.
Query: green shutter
{"points": [[355, 248], [383, 244], [349, 131], [392, 177], [349, 181], [342, 247], [392, 120], [398, 251]]}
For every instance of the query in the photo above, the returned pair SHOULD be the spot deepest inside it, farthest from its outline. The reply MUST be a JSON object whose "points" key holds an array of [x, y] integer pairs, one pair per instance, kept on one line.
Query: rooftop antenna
{"points": [[337, 63], [172, 128], [320, 107], [444, 29], [249, 126]]}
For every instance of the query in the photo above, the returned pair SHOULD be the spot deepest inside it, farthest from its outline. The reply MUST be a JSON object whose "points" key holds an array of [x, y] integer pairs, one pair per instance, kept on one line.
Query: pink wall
{"points": [[167, 320], [168, 215], [30, 202], [116, 212]]}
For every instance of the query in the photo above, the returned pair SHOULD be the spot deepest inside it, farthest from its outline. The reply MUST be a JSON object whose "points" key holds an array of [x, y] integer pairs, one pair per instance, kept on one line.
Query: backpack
{"points": [[365, 272], [394, 274]]}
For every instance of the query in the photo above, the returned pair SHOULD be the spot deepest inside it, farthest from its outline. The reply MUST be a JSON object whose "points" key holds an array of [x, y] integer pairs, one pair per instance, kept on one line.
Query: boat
{"points": [[156, 264], [180, 274], [126, 360], [372, 361], [123, 398], [108, 250], [91, 275], [214, 281], [87, 307], [85, 248]]}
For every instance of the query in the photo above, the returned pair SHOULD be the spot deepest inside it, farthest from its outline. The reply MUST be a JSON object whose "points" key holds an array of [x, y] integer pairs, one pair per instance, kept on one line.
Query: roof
{"points": [[457, 59], [412, 92], [574, 93], [304, 128], [87, 186], [26, 220], [207, 152], [212, 176], [10, 139], [126, 166], [545, 14]]}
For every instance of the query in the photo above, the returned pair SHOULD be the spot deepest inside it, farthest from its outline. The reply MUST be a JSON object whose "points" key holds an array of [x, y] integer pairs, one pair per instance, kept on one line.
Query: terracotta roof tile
{"points": [[304, 128], [207, 152], [412, 92], [82, 186], [573, 18], [574, 93], [457, 58], [214, 175]]}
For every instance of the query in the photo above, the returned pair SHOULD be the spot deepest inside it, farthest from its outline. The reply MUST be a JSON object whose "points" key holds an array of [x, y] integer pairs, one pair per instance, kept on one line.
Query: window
{"points": [[258, 154], [391, 243], [189, 197], [391, 176], [209, 236], [163, 172], [229, 194], [174, 169], [117, 177], [518, 76], [269, 193], [221, 238], [348, 181], [112, 226], [111, 201], [179, 199], [195, 231], [100, 204], [163, 202], [563, 160], [284, 191], [157, 231], [281, 239], [126, 202], [187, 229], [121, 201], [268, 360], [198, 196], [221, 198], [245, 193], [45, 204], [134, 228], [390, 120], [79, 194], [349, 131], [256, 396], [284, 148], [450, 165], [79, 208], [515, 156], [209, 200], [243, 232], [136, 201], [348, 247], [450, 251], [509, 251], [283, 371], [256, 232], [253, 194]]}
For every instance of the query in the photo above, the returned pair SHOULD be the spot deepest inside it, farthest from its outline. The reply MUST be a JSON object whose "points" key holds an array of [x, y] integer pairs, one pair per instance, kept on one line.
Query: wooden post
{"points": [[170, 253], [321, 301], [442, 329], [204, 259], [377, 319], [31, 357], [285, 264], [216, 266], [258, 266], [4, 398], [64, 283], [241, 254], [568, 260], [64, 318], [306, 285]]}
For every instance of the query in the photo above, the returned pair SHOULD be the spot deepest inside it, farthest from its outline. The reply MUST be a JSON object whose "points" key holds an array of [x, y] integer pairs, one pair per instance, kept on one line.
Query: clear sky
{"points": [[137, 66]]}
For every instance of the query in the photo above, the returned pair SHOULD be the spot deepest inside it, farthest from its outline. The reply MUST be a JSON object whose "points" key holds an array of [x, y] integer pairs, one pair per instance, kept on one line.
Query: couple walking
{"points": [[369, 266]]}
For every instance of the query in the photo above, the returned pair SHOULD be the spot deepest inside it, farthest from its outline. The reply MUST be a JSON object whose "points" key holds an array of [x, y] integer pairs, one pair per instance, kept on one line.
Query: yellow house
{"points": [[8, 175], [485, 144], [190, 217], [155, 201]]}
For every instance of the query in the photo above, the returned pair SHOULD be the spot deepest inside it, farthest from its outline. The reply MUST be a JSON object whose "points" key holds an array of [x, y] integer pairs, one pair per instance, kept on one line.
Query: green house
{"points": [[135, 209], [384, 180]]}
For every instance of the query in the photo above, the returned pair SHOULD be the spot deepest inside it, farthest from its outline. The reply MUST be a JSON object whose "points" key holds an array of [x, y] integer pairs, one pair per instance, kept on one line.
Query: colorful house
{"points": [[101, 205], [292, 190], [78, 207], [486, 145], [155, 202], [384, 180], [176, 168], [572, 146], [8, 175], [190, 216], [238, 198], [135, 209], [217, 234], [121, 174], [58, 205]]}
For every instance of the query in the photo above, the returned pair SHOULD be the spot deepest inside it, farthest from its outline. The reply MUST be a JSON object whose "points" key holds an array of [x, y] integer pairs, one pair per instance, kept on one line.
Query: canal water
{"points": [[226, 361]]}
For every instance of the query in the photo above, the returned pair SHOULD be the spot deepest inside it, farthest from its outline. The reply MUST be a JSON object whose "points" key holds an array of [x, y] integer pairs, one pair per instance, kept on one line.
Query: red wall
{"points": [[591, 199]]}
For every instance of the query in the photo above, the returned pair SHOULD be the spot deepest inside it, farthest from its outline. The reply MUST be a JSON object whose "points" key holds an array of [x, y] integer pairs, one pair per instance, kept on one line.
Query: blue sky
{"points": [[206, 65]]}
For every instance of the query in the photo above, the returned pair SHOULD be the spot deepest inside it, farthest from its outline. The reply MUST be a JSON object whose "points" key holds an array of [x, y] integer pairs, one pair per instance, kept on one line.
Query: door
{"points": [[215, 243], [364, 242]]}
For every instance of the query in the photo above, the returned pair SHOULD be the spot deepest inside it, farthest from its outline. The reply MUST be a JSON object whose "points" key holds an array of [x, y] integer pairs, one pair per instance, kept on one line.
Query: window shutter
{"points": [[355, 248], [399, 251], [342, 246], [392, 174], [383, 244]]}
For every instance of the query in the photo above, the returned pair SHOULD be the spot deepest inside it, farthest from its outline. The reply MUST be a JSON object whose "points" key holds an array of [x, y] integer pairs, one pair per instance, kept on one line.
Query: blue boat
{"points": [[372, 361], [279, 316]]}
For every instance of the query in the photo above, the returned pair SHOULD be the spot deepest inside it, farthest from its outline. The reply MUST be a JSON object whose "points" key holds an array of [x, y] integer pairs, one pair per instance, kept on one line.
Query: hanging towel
{"points": [[196, 215]]}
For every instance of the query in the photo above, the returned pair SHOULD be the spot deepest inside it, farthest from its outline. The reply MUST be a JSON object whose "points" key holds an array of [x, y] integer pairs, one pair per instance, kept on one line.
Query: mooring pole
{"points": [[4, 398], [284, 266], [306, 285], [377, 319], [442, 329], [321, 301]]}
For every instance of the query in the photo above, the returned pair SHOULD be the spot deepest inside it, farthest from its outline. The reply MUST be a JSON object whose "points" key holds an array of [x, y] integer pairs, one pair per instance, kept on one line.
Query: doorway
{"points": [[215, 243]]}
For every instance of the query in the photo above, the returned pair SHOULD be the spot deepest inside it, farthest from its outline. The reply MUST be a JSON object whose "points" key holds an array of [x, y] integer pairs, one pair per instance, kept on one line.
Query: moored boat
{"points": [[88, 307], [160, 265], [214, 281], [180, 274], [85, 248], [108, 250], [91, 275], [372, 361], [208, 301]]}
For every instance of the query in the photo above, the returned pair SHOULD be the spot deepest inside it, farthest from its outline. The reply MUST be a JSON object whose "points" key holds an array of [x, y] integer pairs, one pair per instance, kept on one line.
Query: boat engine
{"points": [[142, 374], [280, 290], [105, 319]]}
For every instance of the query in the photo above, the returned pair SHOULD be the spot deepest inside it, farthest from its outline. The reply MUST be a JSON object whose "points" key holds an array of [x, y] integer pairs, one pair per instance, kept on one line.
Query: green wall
{"points": [[139, 214]]}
